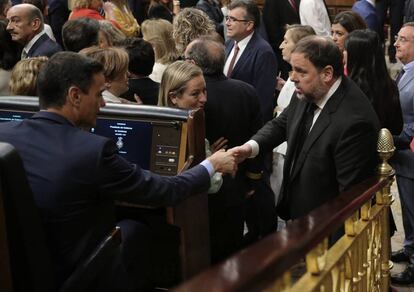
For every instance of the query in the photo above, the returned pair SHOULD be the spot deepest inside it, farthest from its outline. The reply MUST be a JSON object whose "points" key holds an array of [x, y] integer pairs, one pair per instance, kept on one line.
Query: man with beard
{"points": [[331, 130]]}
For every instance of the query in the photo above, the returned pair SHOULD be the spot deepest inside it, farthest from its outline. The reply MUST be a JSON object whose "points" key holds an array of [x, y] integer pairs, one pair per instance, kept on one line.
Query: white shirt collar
{"points": [[372, 2], [322, 102], [243, 43], [30, 44]]}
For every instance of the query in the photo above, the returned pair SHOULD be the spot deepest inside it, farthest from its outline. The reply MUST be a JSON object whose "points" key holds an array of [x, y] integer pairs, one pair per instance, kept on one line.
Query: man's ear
{"points": [[74, 96], [327, 73], [36, 23]]}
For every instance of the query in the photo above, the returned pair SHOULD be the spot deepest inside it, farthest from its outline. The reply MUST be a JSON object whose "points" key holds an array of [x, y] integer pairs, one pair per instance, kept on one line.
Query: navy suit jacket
{"points": [[258, 67], [44, 46], [368, 13], [75, 177], [339, 151]]}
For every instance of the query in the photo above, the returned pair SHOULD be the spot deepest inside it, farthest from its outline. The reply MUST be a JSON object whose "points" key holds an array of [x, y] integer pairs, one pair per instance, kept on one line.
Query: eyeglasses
{"points": [[401, 39], [232, 19]]}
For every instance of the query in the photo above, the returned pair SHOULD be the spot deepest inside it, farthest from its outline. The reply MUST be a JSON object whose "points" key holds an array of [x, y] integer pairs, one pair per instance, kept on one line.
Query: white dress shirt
{"points": [[242, 46]]}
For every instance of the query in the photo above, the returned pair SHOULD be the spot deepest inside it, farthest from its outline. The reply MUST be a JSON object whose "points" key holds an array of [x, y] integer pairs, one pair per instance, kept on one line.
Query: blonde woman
{"points": [[183, 86], [119, 12], [159, 33], [115, 62], [189, 24], [24, 76]]}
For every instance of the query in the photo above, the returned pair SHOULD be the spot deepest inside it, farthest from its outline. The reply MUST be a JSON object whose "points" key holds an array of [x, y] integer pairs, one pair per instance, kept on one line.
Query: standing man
{"points": [[330, 127], [232, 111], [76, 176], [26, 27], [250, 58], [403, 160]]}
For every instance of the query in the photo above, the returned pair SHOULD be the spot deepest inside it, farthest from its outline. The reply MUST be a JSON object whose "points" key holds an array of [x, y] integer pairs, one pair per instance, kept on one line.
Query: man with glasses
{"points": [[251, 59], [404, 157]]}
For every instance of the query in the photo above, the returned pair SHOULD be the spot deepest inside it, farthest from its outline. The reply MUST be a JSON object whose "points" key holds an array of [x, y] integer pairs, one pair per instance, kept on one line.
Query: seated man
{"points": [[75, 175], [26, 26]]}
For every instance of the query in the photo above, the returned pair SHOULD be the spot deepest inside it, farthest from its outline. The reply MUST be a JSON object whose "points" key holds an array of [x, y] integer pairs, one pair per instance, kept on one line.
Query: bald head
{"points": [[25, 21], [208, 54]]}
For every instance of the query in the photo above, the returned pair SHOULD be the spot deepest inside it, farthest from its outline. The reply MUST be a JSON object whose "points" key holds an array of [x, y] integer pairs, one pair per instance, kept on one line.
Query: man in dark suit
{"points": [[232, 111], [75, 175], [403, 160], [26, 27], [276, 15], [255, 61], [331, 130], [251, 59]]}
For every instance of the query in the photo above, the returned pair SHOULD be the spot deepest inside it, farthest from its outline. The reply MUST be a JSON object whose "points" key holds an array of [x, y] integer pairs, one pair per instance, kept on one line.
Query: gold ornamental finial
{"points": [[385, 149]]}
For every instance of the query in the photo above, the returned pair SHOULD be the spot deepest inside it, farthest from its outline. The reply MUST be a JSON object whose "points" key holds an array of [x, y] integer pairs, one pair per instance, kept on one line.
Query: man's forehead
{"points": [[238, 10], [17, 11], [407, 31]]}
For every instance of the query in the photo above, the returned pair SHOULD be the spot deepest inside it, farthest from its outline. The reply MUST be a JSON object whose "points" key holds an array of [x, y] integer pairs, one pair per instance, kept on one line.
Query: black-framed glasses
{"points": [[233, 19]]}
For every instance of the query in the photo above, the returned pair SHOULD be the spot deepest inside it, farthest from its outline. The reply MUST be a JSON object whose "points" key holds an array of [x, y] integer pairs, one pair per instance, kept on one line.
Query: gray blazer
{"points": [[403, 160]]}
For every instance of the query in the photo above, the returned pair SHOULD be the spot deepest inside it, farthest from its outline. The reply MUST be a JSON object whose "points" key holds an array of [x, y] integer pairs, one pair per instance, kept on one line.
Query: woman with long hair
{"points": [[9, 56], [159, 33], [365, 63]]}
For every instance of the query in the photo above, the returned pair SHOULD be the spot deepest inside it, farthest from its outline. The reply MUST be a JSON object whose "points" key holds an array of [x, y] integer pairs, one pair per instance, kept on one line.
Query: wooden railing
{"points": [[358, 261]]}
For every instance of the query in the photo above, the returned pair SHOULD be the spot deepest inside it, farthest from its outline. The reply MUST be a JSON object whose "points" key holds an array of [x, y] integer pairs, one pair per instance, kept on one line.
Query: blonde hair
{"points": [[79, 4], [113, 35], [174, 80], [299, 31], [24, 76], [190, 24], [159, 33], [114, 60]]}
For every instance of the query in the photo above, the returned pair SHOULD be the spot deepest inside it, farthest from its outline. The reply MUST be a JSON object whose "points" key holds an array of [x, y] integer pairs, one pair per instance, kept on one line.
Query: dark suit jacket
{"points": [[339, 152], [276, 14], [368, 13], [258, 67], [232, 111], [44, 46], [146, 89], [75, 177]]}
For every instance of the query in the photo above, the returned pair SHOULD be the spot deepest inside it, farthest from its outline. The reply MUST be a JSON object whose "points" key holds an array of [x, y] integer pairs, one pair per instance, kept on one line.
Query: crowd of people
{"points": [[293, 103]]}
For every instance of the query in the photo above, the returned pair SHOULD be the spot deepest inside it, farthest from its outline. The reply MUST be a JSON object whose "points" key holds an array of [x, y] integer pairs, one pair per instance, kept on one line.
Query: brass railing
{"points": [[358, 261]]}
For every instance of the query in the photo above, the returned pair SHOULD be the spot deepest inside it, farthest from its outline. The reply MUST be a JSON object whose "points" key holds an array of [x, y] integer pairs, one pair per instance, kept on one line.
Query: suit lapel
{"points": [[319, 127], [245, 56], [39, 41]]}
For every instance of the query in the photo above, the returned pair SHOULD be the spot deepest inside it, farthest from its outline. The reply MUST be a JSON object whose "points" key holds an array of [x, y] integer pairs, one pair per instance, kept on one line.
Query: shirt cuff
{"points": [[255, 148], [209, 167]]}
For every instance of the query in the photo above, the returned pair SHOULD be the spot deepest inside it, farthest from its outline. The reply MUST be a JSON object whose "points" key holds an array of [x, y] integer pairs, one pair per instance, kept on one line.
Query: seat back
{"points": [[25, 262], [28, 258]]}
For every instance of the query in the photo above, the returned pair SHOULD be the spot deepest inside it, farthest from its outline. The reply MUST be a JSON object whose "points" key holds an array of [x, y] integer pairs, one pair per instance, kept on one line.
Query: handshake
{"points": [[226, 161]]}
